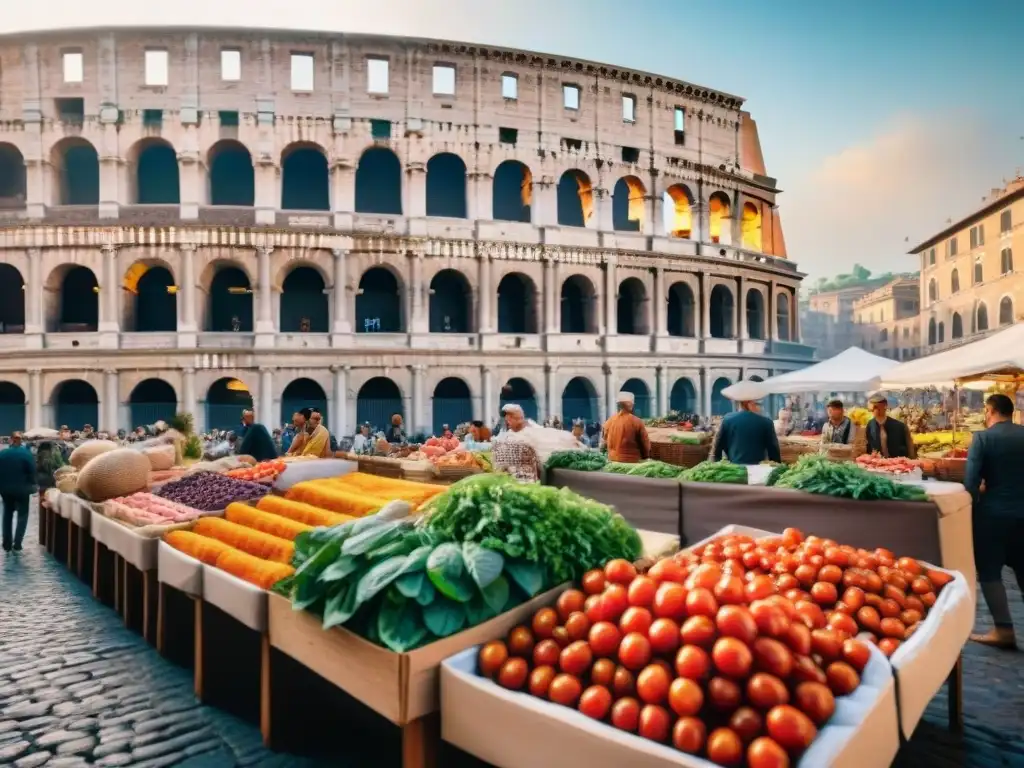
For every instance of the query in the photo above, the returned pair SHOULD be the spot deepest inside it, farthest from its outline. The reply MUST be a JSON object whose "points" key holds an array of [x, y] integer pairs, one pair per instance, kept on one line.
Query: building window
{"points": [[933, 290], [377, 76], [951, 247], [156, 68], [509, 87], [629, 109], [979, 271], [1006, 261], [444, 80], [679, 124], [230, 65], [974, 238], [302, 72], [954, 281], [571, 96], [74, 69], [931, 257], [1005, 221]]}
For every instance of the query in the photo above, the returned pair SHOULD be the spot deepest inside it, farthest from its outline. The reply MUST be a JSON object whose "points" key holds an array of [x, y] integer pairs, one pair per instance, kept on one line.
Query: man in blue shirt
{"points": [[17, 484], [747, 437]]}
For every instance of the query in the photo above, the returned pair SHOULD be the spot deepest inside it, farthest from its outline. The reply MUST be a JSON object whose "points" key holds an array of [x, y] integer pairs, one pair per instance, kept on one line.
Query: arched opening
{"points": [[75, 405], [520, 392], [378, 399], [933, 290], [931, 331], [575, 199], [883, 335], [642, 404], [718, 218], [579, 401], [954, 281], [450, 302], [155, 300], [982, 323], [578, 301], [305, 180], [785, 320], [78, 172], [628, 205], [152, 400], [12, 301], [452, 404], [379, 182], [12, 408], [230, 309], [720, 404], [958, 326], [683, 397], [682, 315], [12, 179], [755, 314], [232, 177], [517, 304], [225, 400], [1005, 311], [722, 311], [678, 211], [446, 186], [942, 332], [379, 302], [513, 192], [303, 393], [156, 174], [631, 308], [750, 227], [79, 301], [304, 304]]}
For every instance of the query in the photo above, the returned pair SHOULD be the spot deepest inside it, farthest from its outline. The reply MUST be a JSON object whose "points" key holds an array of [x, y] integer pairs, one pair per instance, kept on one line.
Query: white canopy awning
{"points": [[995, 357], [851, 371]]}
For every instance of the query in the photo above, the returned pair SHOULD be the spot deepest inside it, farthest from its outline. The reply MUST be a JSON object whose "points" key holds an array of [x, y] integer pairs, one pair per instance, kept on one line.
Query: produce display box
{"points": [[646, 503], [402, 687], [79, 516]]}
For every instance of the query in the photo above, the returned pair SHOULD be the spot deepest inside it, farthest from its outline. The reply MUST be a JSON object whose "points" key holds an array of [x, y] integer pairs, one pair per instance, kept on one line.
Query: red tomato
{"points": [[725, 747], [595, 702], [805, 670], [888, 645], [748, 723], [791, 728], [759, 587], [626, 714], [843, 623], [544, 622], [827, 643], [513, 674], [634, 651], [652, 684], [576, 658], [772, 657], [693, 662], [492, 656], [856, 654], [667, 570], [593, 609], [664, 636], [689, 735], [604, 638], [624, 682], [619, 571], [771, 620], [699, 631], [765, 691], [729, 590], [701, 602], [766, 753], [578, 626], [565, 690], [723, 694], [707, 576], [824, 593], [545, 653], [655, 723], [685, 697], [594, 582], [569, 602], [670, 601], [842, 678], [520, 642], [736, 621], [732, 657], [811, 615], [603, 673], [815, 700], [614, 602], [635, 620], [641, 591]]}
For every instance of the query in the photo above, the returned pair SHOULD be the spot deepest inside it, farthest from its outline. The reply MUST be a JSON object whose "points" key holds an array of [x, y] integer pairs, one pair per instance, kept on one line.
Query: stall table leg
{"points": [[420, 741], [265, 688], [148, 590], [80, 553], [161, 617], [198, 640], [956, 696], [126, 596], [71, 528], [117, 583], [95, 569]]}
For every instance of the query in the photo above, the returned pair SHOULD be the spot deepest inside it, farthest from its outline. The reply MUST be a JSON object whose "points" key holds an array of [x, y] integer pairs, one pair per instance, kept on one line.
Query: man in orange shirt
{"points": [[625, 434]]}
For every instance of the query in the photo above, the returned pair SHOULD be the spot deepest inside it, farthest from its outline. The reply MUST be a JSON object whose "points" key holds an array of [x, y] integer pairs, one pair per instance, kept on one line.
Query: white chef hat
{"points": [[625, 397]]}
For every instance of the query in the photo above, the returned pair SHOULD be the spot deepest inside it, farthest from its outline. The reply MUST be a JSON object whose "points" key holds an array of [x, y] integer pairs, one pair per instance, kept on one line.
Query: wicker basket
{"points": [[680, 454], [451, 474], [791, 450], [419, 471], [379, 465], [953, 470]]}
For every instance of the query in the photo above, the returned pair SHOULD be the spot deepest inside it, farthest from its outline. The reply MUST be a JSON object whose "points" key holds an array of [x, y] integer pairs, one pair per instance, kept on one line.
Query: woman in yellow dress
{"points": [[311, 436]]}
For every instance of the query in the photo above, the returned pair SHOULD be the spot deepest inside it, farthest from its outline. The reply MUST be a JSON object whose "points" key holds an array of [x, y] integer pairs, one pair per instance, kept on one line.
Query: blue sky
{"points": [[881, 120]]}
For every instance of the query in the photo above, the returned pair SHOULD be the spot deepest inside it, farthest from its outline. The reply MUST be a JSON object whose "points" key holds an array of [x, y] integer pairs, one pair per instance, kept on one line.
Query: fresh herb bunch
{"points": [[716, 472], [816, 474], [555, 528], [648, 468], [583, 461]]}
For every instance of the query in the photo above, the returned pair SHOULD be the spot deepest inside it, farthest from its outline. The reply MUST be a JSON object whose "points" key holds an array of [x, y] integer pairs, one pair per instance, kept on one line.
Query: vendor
{"points": [[362, 442], [625, 434], [395, 434], [478, 438], [887, 436], [746, 436], [838, 429]]}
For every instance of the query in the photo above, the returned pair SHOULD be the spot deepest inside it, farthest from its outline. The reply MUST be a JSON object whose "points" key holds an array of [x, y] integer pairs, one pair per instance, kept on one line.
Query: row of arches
{"points": [[75, 403], [151, 304], [154, 179], [979, 322]]}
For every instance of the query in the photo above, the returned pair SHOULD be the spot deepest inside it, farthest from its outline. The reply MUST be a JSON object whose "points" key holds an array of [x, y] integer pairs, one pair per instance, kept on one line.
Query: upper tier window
{"points": [[509, 87], [230, 65], [302, 72], [444, 80], [156, 68], [377, 75], [571, 96], [73, 67]]}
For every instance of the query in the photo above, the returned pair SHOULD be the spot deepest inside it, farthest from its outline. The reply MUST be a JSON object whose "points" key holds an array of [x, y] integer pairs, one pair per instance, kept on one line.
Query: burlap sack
{"points": [[89, 450], [160, 458], [120, 472]]}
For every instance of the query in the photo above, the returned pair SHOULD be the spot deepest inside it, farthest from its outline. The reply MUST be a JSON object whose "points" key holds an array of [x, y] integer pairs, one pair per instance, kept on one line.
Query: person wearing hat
{"points": [[887, 436], [746, 436], [625, 434]]}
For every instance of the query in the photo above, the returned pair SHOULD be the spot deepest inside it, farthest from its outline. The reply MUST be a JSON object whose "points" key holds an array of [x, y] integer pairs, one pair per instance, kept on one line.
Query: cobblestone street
{"points": [[77, 688]]}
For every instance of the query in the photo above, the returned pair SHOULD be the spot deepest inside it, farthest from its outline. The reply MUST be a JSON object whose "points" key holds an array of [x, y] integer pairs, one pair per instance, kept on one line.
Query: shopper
{"points": [[17, 484], [885, 435], [747, 437], [625, 433], [995, 458]]}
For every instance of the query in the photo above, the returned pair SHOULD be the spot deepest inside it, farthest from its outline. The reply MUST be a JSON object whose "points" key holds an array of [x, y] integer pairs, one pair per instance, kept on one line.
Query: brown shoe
{"points": [[1004, 639]]}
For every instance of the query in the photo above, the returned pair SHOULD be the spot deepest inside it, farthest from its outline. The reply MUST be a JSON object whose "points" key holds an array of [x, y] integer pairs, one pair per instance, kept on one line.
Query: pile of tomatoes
{"points": [[894, 466], [735, 651]]}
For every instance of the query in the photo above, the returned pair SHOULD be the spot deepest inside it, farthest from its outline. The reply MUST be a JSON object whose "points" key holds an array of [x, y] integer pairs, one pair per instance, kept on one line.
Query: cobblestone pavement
{"points": [[77, 688]]}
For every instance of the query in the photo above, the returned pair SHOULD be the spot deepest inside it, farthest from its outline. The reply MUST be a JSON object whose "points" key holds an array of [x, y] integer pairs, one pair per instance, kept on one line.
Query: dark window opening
{"points": [[303, 393], [156, 176], [446, 186], [80, 174], [12, 177], [575, 199], [512, 192], [152, 118], [579, 401], [305, 180], [230, 302], [304, 303], [225, 401], [630, 155], [70, 111], [683, 397], [520, 392], [379, 182], [79, 301], [151, 401], [12, 300], [380, 129], [232, 179], [228, 119], [572, 144], [630, 308], [517, 305], [378, 303], [452, 404], [156, 305], [722, 309], [641, 397], [681, 311], [12, 408], [628, 200], [508, 136], [755, 315], [578, 302], [76, 404], [450, 301], [377, 401]]}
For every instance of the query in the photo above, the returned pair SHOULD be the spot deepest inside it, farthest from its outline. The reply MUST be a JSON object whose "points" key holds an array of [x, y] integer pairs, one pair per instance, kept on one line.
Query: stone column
{"points": [[609, 391], [35, 325], [742, 321], [420, 320], [544, 208], [110, 293], [186, 298], [705, 307], [611, 295], [663, 391], [265, 406], [655, 224], [487, 389], [339, 406], [705, 393], [111, 402], [35, 398], [414, 203], [416, 410], [701, 223], [188, 396], [485, 321], [794, 310], [265, 312], [341, 326], [660, 306], [551, 297], [773, 323], [551, 390]]}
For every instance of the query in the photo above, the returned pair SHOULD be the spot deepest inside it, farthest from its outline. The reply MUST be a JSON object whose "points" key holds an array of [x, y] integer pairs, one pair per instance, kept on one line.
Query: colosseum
{"points": [[200, 218]]}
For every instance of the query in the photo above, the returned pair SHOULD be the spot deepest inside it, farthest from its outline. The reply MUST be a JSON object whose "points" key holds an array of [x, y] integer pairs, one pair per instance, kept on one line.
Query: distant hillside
{"points": [[858, 277]]}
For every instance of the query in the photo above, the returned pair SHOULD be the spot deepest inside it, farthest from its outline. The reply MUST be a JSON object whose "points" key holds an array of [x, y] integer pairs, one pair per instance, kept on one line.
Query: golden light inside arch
{"points": [[636, 210], [751, 227], [718, 212], [586, 192], [236, 386], [679, 214]]}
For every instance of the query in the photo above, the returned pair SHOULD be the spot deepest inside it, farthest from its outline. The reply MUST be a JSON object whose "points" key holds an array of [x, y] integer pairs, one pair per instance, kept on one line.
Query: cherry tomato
{"points": [[928, 598], [815, 700], [766, 753], [889, 609], [806, 574], [699, 631], [748, 723], [667, 570], [806, 671], [578, 626], [824, 593], [520, 642], [785, 582], [759, 587], [736, 621], [569, 602], [910, 565], [545, 653], [593, 608], [513, 674], [842, 678], [624, 682], [707, 575], [565, 690], [614, 602], [791, 728], [729, 590], [595, 702], [685, 697], [594, 582], [619, 571], [603, 672], [635, 619], [725, 747], [701, 602], [664, 636], [770, 619], [540, 681], [670, 601], [938, 578], [655, 723], [772, 657], [827, 643], [652, 684], [634, 651], [843, 624], [888, 645], [810, 614], [693, 662], [897, 580], [856, 654], [911, 617], [792, 537], [641, 591], [798, 638], [893, 628], [492, 656], [724, 694], [576, 658], [689, 735], [854, 597], [830, 574], [765, 691], [626, 714], [561, 636], [544, 622], [604, 638], [732, 657], [895, 595], [868, 618]]}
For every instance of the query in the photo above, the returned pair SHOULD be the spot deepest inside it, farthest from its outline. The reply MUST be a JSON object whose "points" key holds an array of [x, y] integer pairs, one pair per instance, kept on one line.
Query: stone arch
{"points": [[750, 227], [954, 281], [578, 303], [77, 305], [575, 199], [631, 308], [377, 400], [517, 304], [12, 300], [150, 401], [682, 311], [932, 331], [982, 317], [784, 317], [13, 188], [642, 400], [579, 401], [150, 297], [226, 398], [682, 398], [75, 404], [957, 331], [722, 313], [446, 186], [451, 404], [678, 211], [719, 210], [451, 302], [754, 313], [379, 182], [629, 200], [379, 302], [519, 391], [883, 335], [303, 393], [12, 408], [512, 196], [720, 404], [77, 168], [1005, 311], [305, 307], [232, 178], [942, 332], [305, 178], [230, 301], [154, 172]]}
